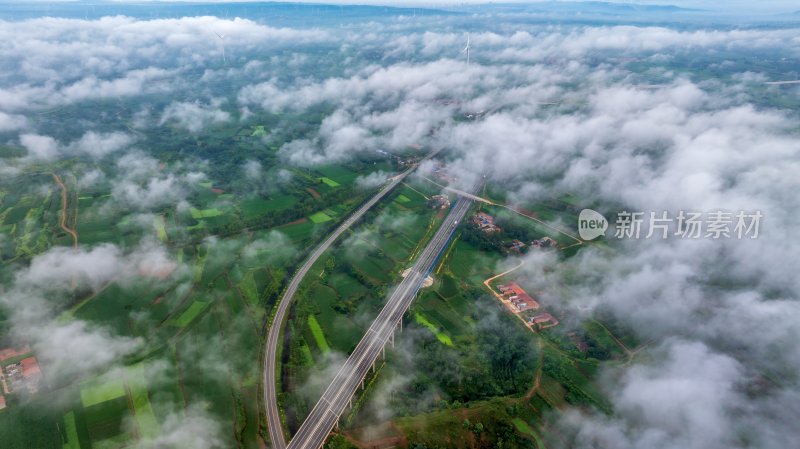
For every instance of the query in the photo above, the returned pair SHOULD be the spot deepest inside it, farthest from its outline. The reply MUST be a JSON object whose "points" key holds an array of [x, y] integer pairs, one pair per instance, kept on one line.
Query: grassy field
{"points": [[106, 420], [441, 336], [320, 217], [249, 288], [338, 174], [160, 226], [71, 432], [194, 309], [319, 334], [483, 424], [145, 418], [101, 390], [329, 182], [197, 214], [256, 207], [300, 231]]}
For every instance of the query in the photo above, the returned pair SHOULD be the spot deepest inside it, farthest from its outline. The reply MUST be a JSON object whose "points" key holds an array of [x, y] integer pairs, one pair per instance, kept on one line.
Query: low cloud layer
{"points": [[41, 290], [541, 110], [92, 144]]}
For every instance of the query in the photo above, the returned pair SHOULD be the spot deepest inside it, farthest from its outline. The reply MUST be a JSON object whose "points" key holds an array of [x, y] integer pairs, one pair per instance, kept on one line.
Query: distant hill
{"points": [[596, 7]]}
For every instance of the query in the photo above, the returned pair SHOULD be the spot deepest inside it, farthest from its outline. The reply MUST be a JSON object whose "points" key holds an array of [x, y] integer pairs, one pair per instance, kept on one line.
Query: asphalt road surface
{"points": [[325, 414], [273, 338]]}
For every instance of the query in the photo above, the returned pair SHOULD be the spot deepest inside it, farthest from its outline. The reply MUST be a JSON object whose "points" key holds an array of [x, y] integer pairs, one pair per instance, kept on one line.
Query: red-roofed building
{"points": [[485, 222], [8, 353], [543, 318], [517, 245], [518, 296], [30, 368]]}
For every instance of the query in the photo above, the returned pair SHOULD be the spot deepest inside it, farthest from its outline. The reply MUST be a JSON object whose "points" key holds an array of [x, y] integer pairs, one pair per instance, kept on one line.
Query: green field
{"points": [[329, 182], [320, 217], [95, 392], [457, 428], [249, 288], [319, 335], [106, 421], [441, 336], [71, 432], [522, 426], [145, 418], [337, 173], [160, 227], [258, 131], [298, 231], [191, 313], [255, 207], [197, 214]]}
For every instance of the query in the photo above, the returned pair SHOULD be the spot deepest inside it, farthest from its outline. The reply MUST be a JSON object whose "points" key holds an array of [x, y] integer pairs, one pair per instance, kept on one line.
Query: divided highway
{"points": [[326, 412], [273, 338]]}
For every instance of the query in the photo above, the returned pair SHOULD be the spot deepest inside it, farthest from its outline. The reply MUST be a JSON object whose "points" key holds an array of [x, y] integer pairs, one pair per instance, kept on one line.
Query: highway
{"points": [[326, 412], [273, 338]]}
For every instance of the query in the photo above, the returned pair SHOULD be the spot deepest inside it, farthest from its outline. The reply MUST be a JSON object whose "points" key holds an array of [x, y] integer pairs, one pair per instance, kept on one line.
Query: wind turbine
{"points": [[222, 41], [466, 49]]}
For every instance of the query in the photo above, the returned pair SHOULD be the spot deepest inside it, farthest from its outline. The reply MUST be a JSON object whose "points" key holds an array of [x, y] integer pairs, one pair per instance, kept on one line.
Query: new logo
{"points": [[591, 224]]}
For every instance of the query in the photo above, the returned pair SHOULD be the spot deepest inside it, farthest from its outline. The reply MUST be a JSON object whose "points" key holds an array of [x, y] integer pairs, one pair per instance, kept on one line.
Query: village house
{"points": [[25, 374], [518, 297], [485, 222], [517, 245], [541, 319], [439, 202], [544, 242]]}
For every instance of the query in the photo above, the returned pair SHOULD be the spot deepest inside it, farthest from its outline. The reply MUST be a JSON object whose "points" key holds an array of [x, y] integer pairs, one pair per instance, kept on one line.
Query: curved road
{"points": [[273, 338], [326, 412]]}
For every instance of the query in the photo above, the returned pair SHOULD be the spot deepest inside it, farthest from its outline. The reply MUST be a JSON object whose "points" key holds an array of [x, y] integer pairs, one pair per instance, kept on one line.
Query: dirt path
{"points": [[545, 224], [506, 303], [422, 194], [63, 223], [538, 377], [631, 353]]}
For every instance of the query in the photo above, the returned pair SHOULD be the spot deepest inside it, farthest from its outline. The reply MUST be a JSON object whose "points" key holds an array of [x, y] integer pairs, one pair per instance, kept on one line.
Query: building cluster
{"points": [[543, 320], [485, 223], [518, 297], [521, 301], [439, 202], [544, 242], [516, 245], [20, 376]]}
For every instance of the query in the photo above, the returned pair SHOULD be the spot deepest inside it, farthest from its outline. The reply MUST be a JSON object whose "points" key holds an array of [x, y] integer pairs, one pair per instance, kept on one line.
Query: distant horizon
{"points": [[766, 7]]}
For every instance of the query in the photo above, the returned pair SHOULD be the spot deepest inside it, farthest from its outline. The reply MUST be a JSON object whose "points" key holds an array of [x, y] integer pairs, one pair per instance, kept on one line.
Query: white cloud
{"points": [[252, 170], [193, 116], [93, 144], [12, 122], [37, 295], [194, 427], [98, 145], [120, 56], [39, 147]]}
